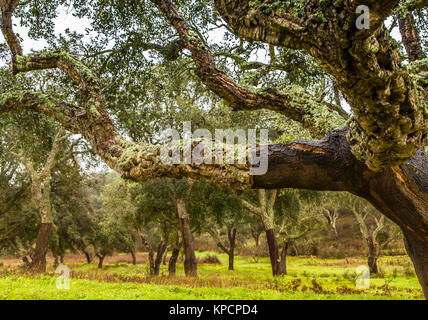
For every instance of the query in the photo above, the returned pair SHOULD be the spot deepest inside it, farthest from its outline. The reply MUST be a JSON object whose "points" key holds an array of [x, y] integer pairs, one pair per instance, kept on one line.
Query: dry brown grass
{"points": [[69, 258]]}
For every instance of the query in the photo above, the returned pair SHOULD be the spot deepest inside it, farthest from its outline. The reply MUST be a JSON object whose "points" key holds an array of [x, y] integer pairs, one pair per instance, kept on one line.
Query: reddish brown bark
{"points": [[418, 251], [38, 263], [190, 263], [173, 261], [159, 255], [283, 261], [274, 253]]}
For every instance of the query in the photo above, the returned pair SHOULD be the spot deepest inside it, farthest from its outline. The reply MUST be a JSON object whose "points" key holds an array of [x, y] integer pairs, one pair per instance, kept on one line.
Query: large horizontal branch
{"points": [[328, 164], [292, 102]]}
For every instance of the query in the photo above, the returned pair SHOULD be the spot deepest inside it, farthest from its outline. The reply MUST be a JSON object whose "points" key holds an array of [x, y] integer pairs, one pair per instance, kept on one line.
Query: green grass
{"points": [[308, 278]]}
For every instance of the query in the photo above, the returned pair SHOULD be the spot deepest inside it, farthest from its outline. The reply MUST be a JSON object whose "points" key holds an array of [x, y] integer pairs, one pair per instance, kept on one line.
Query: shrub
{"points": [[212, 259]]}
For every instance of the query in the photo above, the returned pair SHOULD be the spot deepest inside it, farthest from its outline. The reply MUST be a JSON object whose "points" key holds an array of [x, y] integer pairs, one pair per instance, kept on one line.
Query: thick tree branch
{"points": [[7, 7], [410, 37], [292, 102], [390, 121]]}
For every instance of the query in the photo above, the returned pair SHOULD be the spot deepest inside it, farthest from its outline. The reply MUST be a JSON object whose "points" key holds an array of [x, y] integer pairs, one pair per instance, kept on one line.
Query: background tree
{"points": [[224, 216], [371, 224]]}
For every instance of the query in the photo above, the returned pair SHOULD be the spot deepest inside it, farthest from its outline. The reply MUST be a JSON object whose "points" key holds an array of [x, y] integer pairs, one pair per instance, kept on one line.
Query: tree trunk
{"points": [[134, 258], [159, 255], [231, 259], [190, 263], [232, 243], [372, 257], [88, 257], [165, 256], [151, 262], [100, 260], [256, 236], [283, 262], [257, 239], [173, 261], [38, 264], [418, 252], [273, 252], [372, 262]]}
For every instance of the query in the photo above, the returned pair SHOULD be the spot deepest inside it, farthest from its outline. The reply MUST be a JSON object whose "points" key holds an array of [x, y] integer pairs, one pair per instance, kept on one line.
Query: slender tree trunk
{"points": [[257, 239], [165, 256], [273, 252], [232, 244], [372, 257], [173, 261], [149, 250], [256, 236], [134, 258], [100, 260], [283, 262], [159, 255], [231, 259], [88, 257], [151, 262], [190, 263], [38, 264]]}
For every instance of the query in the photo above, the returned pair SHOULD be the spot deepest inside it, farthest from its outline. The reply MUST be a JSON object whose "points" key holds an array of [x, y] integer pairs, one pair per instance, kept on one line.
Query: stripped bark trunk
{"points": [[373, 254], [266, 212], [38, 263], [418, 252], [173, 261], [159, 255], [273, 252], [190, 263], [283, 261], [151, 262], [232, 245]]}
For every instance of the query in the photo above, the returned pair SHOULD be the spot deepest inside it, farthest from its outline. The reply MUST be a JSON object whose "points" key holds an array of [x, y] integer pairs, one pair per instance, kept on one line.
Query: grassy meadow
{"points": [[308, 278]]}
